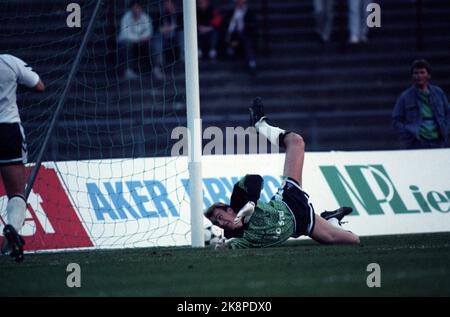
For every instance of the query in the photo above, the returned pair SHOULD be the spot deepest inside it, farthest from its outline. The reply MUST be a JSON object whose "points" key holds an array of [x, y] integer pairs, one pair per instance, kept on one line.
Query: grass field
{"points": [[411, 265]]}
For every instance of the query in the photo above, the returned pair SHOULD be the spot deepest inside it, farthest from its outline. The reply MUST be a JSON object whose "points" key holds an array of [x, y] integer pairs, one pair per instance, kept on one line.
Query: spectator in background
{"points": [[323, 13], [357, 20], [240, 33], [208, 23], [136, 31], [171, 40], [422, 113]]}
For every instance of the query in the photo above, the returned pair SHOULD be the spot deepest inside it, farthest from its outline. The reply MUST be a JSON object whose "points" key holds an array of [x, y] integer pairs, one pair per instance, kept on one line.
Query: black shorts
{"points": [[13, 148], [298, 203]]}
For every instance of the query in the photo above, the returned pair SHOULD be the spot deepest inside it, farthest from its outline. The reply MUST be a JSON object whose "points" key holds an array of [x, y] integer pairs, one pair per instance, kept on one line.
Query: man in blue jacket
{"points": [[422, 113]]}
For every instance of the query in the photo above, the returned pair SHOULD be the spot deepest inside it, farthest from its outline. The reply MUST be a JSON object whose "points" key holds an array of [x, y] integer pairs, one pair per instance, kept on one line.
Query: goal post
{"points": [[193, 122]]}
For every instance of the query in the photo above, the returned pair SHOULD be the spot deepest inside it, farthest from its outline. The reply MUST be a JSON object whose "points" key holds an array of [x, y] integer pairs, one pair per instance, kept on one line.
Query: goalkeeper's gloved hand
{"points": [[220, 244], [246, 212]]}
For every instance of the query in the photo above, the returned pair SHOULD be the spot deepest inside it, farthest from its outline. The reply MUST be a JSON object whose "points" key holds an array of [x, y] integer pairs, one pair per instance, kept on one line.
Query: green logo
{"points": [[366, 188]]}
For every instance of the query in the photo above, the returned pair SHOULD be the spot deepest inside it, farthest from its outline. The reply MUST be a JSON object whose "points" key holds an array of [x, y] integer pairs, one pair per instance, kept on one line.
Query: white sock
{"points": [[271, 133], [16, 209], [334, 222]]}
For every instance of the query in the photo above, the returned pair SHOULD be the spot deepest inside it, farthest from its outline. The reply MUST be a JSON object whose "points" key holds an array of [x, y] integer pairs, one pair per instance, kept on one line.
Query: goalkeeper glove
{"points": [[220, 244], [246, 212]]}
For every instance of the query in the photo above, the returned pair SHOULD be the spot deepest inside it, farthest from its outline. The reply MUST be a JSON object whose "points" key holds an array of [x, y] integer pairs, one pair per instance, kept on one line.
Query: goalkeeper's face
{"points": [[224, 218]]}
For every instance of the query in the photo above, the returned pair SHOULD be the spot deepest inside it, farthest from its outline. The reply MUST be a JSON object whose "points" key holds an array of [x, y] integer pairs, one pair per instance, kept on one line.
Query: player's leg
{"points": [[324, 232], [295, 155], [294, 144], [13, 177], [13, 155]]}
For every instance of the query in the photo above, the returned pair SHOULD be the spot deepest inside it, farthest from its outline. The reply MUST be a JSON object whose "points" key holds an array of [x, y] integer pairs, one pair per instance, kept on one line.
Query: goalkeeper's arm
{"points": [[253, 185], [233, 243], [245, 213], [245, 196], [247, 189]]}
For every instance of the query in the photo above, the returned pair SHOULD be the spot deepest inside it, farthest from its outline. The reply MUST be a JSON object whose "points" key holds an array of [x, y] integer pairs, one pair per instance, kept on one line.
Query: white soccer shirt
{"points": [[13, 70]]}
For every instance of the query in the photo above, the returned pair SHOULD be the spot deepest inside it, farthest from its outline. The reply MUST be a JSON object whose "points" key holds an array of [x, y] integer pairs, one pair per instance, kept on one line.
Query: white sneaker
{"points": [[5, 249]]}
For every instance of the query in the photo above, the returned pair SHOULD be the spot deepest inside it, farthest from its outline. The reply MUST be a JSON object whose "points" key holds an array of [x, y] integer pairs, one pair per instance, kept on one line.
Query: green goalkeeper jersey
{"points": [[271, 223]]}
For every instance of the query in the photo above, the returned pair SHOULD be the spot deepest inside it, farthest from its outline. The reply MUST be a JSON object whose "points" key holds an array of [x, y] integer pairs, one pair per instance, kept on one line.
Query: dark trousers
{"points": [[241, 41], [136, 56], [207, 41], [427, 144]]}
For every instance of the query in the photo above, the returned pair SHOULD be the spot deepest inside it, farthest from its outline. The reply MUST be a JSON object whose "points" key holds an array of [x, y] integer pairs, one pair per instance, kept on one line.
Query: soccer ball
{"points": [[213, 234]]}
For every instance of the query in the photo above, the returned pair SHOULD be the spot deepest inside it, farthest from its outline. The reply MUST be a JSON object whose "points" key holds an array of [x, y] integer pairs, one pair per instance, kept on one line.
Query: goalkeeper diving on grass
{"points": [[251, 223]]}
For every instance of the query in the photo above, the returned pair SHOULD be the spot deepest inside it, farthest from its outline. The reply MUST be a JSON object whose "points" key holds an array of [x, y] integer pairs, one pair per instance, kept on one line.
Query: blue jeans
{"points": [[357, 18]]}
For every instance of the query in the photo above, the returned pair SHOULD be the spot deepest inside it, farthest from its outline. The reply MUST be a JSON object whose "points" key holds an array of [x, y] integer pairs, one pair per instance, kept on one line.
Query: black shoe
{"points": [[5, 250], [15, 242], [339, 214], [256, 111]]}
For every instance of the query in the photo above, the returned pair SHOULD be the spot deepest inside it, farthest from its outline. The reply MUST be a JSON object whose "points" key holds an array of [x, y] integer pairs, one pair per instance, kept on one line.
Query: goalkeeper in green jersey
{"points": [[250, 223]]}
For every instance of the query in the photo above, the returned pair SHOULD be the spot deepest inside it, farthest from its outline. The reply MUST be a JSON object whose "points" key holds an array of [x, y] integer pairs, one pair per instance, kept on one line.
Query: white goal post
{"points": [[193, 123]]}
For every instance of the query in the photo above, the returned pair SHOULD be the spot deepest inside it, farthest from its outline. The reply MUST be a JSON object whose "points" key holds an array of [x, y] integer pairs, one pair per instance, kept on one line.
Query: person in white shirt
{"points": [[136, 31], [13, 149]]}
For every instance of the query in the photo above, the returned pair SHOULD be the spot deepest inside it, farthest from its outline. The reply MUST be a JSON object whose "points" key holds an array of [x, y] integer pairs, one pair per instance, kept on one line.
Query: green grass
{"points": [[411, 265]]}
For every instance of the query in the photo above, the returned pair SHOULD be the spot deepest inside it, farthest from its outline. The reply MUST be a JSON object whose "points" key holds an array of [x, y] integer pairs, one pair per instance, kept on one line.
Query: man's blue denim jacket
{"points": [[407, 117]]}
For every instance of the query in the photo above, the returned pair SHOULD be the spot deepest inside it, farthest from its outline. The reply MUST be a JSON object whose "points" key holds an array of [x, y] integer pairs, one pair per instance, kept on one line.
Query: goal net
{"points": [[108, 177]]}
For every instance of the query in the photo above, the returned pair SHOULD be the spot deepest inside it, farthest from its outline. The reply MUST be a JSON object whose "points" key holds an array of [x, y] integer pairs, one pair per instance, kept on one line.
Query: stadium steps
{"points": [[339, 97]]}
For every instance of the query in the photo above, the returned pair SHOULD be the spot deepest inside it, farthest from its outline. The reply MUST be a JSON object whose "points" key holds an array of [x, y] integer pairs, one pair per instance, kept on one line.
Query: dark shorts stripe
{"points": [[298, 202], [13, 148]]}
